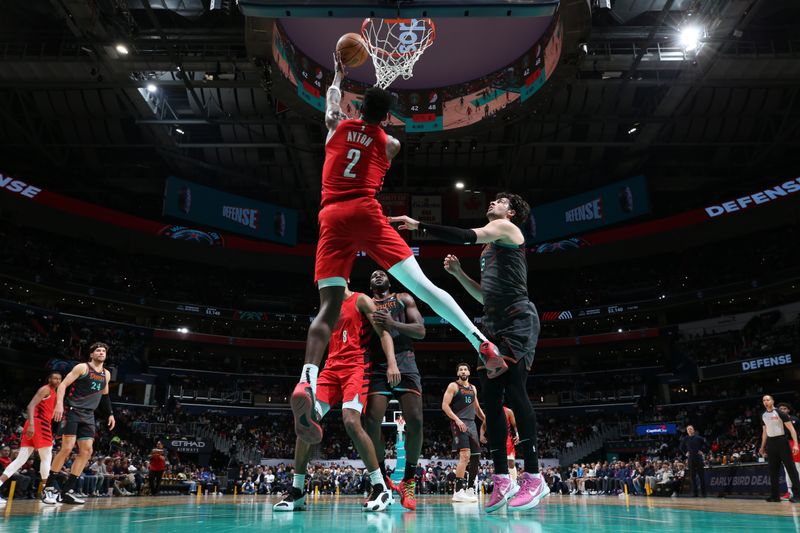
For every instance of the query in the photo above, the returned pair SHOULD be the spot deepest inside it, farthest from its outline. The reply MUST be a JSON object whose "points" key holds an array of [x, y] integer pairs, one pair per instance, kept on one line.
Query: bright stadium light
{"points": [[122, 49], [459, 185], [151, 87], [690, 38], [182, 330]]}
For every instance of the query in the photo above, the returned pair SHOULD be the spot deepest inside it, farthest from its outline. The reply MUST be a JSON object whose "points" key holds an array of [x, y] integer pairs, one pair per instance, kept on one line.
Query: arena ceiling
{"points": [[76, 115]]}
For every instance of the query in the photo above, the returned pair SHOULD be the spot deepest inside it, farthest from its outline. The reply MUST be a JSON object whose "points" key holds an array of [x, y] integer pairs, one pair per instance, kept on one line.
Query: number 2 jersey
{"points": [[355, 162]]}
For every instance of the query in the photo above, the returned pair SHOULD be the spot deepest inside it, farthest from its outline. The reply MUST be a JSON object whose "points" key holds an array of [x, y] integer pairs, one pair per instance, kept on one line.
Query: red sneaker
{"points": [[305, 416], [407, 497], [786, 496], [390, 484], [494, 362]]}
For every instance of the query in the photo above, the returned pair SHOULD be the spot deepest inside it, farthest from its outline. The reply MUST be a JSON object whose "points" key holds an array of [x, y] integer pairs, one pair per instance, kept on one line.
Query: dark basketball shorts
{"points": [[410, 380], [466, 439], [514, 330], [78, 422]]}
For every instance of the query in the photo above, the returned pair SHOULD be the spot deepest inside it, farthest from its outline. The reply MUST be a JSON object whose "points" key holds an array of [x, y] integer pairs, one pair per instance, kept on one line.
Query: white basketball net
{"points": [[395, 45], [401, 425]]}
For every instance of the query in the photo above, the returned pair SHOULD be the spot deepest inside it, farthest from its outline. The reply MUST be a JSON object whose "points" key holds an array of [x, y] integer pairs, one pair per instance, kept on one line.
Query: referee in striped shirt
{"points": [[775, 447]]}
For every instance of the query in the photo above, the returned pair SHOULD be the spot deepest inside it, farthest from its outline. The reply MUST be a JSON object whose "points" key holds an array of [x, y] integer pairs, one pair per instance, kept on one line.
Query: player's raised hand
{"points": [[406, 222], [452, 264], [338, 65]]}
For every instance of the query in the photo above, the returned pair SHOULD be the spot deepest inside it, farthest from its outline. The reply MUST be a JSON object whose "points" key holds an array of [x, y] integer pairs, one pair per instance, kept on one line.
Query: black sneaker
{"points": [[72, 498], [293, 500]]}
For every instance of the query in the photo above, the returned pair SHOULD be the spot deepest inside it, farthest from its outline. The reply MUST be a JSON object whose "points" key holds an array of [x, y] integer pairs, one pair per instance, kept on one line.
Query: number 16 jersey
{"points": [[355, 162]]}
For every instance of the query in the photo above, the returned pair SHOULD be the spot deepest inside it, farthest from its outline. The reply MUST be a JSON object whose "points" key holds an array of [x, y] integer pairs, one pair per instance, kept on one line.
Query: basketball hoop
{"points": [[395, 45], [401, 425]]}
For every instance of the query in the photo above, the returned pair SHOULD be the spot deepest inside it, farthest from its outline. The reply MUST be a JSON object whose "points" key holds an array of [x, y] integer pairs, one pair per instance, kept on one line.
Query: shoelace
{"points": [[527, 484], [408, 490]]}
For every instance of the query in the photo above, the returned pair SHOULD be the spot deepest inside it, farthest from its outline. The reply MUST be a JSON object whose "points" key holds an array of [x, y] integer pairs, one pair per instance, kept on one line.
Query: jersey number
{"points": [[353, 156], [97, 386]]}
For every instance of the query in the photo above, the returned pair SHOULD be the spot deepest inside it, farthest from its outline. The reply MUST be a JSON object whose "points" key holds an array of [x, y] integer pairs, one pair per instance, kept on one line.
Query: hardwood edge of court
{"points": [[710, 504]]}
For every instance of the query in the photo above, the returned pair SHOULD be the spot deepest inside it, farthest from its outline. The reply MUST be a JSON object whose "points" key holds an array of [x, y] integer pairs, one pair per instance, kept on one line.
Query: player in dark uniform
{"points": [[358, 152], [510, 321], [460, 404], [786, 409], [82, 391], [396, 313]]}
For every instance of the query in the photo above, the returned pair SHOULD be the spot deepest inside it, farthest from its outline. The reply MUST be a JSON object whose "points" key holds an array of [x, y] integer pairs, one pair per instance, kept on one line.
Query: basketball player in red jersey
{"points": [[357, 155], [345, 379], [38, 433]]}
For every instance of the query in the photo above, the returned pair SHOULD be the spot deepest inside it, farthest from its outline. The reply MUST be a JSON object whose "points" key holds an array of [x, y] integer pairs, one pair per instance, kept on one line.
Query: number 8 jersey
{"points": [[355, 162]]}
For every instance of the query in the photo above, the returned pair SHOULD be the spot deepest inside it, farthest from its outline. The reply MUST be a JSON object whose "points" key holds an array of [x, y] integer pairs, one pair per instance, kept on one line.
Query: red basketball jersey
{"points": [[355, 162], [351, 336], [43, 413]]}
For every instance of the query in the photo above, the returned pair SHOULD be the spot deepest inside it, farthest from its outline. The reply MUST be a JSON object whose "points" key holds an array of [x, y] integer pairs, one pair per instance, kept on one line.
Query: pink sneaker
{"points": [[501, 492], [492, 360], [531, 491], [305, 417]]}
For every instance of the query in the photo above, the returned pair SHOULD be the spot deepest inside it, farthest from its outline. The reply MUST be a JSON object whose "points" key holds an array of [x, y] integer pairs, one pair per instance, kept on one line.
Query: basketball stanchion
{"points": [[199, 491], [10, 501], [234, 490]]}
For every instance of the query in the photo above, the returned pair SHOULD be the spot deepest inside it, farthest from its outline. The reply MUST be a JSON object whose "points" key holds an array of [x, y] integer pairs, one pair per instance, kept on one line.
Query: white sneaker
{"points": [[470, 495], [294, 500], [50, 496], [378, 500], [460, 496]]}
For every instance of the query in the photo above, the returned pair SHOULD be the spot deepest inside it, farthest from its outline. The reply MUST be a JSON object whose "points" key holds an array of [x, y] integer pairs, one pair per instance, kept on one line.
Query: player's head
{"points": [[509, 205], [54, 379], [379, 281], [376, 106], [159, 445], [690, 430], [462, 371], [768, 401], [98, 352], [784, 408]]}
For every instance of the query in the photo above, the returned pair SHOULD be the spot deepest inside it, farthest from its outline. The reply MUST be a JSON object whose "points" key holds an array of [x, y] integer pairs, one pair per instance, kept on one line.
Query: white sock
{"points": [[309, 375], [299, 481], [512, 472], [409, 273], [505, 476], [376, 478]]}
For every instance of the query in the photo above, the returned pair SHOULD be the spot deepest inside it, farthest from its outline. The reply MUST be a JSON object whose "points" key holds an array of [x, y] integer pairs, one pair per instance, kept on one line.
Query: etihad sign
{"points": [[761, 197]]}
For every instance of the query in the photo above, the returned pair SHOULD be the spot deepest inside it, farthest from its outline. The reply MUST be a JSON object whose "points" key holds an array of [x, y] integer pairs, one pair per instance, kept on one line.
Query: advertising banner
{"points": [[607, 205], [747, 366], [426, 209], [742, 479], [197, 446], [211, 207], [656, 429]]}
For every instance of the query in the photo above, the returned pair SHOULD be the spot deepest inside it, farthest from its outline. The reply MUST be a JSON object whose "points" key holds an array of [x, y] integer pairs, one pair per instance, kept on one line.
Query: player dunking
{"points": [[88, 388], [398, 314], [38, 433], [357, 155], [344, 379], [510, 318], [460, 404]]}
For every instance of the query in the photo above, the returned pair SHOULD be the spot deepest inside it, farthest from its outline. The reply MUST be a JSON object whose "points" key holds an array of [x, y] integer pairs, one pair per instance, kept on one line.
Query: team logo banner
{"points": [[607, 205], [211, 207]]}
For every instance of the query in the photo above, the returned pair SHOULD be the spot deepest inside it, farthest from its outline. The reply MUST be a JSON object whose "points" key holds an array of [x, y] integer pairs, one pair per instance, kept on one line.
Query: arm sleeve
{"points": [[449, 233], [105, 403]]}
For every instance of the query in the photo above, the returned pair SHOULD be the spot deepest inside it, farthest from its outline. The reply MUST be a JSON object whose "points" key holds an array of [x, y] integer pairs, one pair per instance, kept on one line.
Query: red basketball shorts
{"points": [[346, 382], [511, 453], [42, 437], [352, 226]]}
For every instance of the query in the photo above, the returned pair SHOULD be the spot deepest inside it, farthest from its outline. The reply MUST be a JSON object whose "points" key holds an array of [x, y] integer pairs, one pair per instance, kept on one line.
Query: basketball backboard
{"points": [[397, 9]]}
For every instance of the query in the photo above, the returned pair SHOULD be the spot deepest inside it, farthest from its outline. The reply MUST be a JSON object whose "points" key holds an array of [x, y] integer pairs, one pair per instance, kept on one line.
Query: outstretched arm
{"points": [[333, 99], [498, 230]]}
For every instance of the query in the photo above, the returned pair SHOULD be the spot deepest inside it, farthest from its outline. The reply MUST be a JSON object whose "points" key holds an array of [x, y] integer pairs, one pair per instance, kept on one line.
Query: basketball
{"points": [[352, 49]]}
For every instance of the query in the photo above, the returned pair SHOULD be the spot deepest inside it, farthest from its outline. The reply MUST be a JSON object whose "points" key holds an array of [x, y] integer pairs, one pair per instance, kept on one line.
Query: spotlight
{"points": [[182, 330], [151, 87], [179, 131], [690, 38], [459, 185], [122, 49]]}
